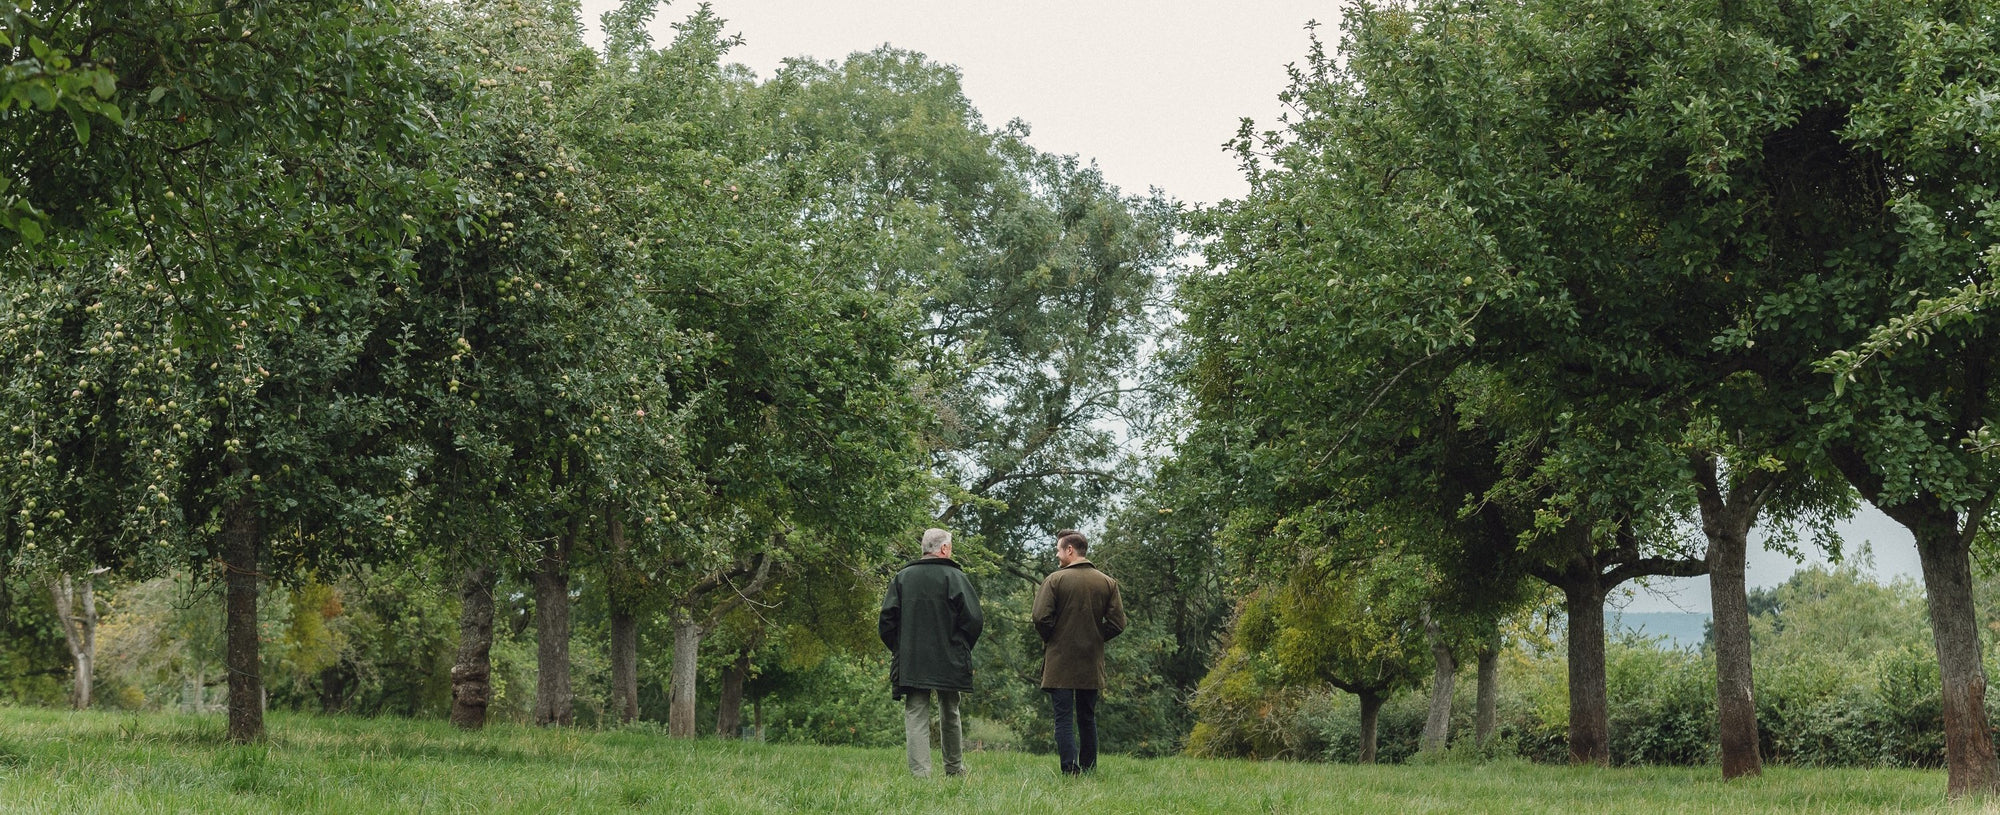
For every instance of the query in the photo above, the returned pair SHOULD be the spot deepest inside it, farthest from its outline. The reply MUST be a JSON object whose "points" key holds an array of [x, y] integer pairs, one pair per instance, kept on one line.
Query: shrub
{"points": [[1662, 703], [840, 701], [1909, 707]]}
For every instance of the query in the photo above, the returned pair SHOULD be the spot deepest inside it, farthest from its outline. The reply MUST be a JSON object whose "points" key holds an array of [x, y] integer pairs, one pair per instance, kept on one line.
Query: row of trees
{"points": [[1845, 676], [1525, 297], [298, 287], [1577, 293]]}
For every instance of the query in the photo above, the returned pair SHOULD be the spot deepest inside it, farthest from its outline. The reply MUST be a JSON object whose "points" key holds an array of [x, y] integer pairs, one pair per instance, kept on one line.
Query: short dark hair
{"points": [[1072, 539]]}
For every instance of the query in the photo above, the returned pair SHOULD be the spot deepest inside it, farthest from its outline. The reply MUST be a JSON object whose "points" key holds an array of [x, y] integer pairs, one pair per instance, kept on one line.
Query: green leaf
{"points": [[39, 95], [81, 121]]}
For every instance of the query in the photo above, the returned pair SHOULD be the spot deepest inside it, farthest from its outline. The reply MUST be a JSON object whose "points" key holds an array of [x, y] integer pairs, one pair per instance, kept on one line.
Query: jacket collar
{"points": [[1078, 562], [934, 561]]}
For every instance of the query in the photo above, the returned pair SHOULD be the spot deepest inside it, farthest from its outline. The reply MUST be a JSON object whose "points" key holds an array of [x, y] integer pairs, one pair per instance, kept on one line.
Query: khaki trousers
{"points": [[917, 731]]}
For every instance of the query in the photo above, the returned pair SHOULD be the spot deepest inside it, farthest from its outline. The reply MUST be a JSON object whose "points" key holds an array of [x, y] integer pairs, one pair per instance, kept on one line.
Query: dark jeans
{"points": [[1076, 728]]}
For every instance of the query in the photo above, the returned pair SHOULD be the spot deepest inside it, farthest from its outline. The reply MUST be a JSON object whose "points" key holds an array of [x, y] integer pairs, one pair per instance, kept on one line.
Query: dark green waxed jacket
{"points": [[930, 620]]}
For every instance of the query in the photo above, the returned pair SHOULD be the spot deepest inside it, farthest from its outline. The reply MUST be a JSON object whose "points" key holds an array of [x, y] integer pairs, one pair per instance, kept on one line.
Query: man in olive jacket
{"points": [[930, 620], [1076, 611]]}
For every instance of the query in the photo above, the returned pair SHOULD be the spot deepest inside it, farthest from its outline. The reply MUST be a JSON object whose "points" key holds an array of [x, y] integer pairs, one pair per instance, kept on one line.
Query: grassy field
{"points": [[54, 761]]}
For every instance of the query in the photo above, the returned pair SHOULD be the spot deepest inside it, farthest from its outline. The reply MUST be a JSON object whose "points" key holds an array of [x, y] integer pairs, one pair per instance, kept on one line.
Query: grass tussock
{"points": [[52, 761]]}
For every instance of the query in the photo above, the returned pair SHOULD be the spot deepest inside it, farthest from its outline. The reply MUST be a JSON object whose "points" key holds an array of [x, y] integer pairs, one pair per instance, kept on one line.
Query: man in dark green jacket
{"points": [[1077, 610], [930, 620]]}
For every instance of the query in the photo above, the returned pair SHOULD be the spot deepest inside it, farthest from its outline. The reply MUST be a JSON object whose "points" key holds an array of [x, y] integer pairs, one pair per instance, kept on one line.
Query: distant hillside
{"points": [[1683, 629]]}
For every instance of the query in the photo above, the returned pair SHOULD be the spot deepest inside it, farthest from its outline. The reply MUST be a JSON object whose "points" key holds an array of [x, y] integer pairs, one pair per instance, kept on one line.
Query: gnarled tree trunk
{"points": [[554, 697], [76, 611], [472, 669], [242, 542], [1735, 702]]}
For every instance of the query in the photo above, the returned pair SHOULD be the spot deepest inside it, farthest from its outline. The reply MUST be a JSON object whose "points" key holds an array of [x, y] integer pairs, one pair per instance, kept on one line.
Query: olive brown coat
{"points": [[1076, 611]]}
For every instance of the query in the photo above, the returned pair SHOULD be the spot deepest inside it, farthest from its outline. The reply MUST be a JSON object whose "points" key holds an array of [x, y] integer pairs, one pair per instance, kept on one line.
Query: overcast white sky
{"points": [[1150, 91]]}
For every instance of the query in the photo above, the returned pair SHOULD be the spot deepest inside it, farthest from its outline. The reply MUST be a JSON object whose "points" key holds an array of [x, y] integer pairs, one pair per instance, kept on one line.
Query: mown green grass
{"points": [[55, 761]]}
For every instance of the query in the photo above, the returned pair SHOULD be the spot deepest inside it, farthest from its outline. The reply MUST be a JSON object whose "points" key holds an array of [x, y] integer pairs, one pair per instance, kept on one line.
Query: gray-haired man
{"points": [[930, 620]]}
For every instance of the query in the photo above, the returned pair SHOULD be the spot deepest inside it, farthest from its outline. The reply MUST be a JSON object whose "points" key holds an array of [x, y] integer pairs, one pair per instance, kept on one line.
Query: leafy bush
{"points": [[1662, 703], [1909, 707], [1242, 711], [841, 701], [1143, 712]]}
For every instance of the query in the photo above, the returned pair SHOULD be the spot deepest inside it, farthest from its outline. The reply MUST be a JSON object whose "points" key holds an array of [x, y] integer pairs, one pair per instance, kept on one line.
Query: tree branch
{"points": [[1655, 567], [992, 481], [759, 578]]}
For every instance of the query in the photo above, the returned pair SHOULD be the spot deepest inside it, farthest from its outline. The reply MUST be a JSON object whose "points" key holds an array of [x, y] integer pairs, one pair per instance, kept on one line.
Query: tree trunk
{"points": [[76, 610], [472, 670], [624, 661], [1944, 545], [1726, 522], [1371, 712], [1437, 725], [241, 542], [680, 691], [729, 709], [1968, 739], [1583, 580], [1735, 706], [1589, 710], [553, 695], [194, 692], [691, 625], [335, 687], [624, 631], [1486, 709]]}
